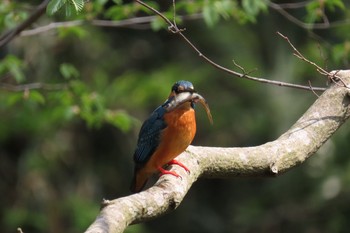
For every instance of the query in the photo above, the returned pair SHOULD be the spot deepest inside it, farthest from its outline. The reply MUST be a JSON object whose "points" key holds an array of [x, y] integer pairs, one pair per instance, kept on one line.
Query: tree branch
{"points": [[10, 35], [131, 23], [292, 148], [32, 86], [331, 76], [280, 8], [174, 29]]}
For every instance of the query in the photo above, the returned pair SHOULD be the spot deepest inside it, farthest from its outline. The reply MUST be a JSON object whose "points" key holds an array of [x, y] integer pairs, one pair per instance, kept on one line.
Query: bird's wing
{"points": [[149, 136]]}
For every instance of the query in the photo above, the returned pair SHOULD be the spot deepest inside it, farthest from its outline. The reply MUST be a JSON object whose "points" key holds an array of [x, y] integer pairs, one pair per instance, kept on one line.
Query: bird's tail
{"points": [[138, 181]]}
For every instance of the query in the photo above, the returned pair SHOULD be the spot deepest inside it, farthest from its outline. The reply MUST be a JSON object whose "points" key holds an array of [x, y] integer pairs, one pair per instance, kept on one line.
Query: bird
{"points": [[167, 132]]}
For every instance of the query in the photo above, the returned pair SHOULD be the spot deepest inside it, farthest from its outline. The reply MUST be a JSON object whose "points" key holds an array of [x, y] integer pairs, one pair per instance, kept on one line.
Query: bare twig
{"points": [[174, 13], [292, 5], [313, 89], [301, 56], [332, 76], [325, 59], [35, 31], [242, 69], [280, 8], [32, 86], [130, 23], [174, 29]]}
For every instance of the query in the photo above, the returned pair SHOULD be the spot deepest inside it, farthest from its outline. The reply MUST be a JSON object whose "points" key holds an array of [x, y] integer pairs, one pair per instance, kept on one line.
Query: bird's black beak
{"points": [[182, 89], [189, 89], [187, 96]]}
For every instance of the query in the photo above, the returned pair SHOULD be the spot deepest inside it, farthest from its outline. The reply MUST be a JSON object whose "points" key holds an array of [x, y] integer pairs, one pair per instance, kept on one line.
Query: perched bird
{"points": [[166, 133]]}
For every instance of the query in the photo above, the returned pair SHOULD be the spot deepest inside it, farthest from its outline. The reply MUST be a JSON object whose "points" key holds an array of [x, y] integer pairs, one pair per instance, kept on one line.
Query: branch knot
{"points": [[174, 29]]}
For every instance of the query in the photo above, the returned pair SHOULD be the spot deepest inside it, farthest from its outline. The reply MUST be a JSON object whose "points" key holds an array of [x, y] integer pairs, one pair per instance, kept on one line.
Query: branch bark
{"points": [[292, 148]]}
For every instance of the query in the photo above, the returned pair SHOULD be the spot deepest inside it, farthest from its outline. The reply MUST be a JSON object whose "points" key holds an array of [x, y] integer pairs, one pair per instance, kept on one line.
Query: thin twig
{"points": [[174, 29], [322, 56], [291, 5], [333, 77], [280, 8], [130, 23], [32, 86], [313, 89], [301, 56], [242, 69], [50, 26], [174, 13]]}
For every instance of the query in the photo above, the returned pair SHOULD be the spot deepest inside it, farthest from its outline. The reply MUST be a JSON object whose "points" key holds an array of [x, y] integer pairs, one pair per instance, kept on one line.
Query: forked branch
{"points": [[333, 77], [292, 148], [11, 34], [174, 29]]}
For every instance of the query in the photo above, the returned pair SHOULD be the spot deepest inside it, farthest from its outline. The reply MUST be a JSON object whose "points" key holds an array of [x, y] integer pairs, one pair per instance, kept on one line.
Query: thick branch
{"points": [[301, 141]]}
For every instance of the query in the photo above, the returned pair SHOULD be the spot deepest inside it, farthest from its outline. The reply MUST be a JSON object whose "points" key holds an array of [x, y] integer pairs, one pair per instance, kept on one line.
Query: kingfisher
{"points": [[167, 133]]}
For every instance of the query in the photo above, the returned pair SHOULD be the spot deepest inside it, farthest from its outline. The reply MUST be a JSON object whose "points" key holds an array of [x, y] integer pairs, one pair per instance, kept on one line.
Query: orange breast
{"points": [[175, 138]]}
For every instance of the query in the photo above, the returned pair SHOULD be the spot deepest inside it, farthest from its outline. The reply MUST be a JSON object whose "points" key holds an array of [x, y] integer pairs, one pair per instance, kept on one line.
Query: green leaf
{"points": [[341, 52], [13, 65], [54, 6], [190, 7], [332, 4], [68, 71], [12, 19], [92, 109], [78, 87], [210, 15], [116, 12], [78, 5], [70, 6], [68, 9], [79, 32], [36, 97], [14, 98], [158, 23], [314, 12], [118, 2], [252, 8], [120, 119]]}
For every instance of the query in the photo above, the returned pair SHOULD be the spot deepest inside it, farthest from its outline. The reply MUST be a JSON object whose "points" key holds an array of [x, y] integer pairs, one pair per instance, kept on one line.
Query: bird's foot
{"points": [[180, 164], [166, 172]]}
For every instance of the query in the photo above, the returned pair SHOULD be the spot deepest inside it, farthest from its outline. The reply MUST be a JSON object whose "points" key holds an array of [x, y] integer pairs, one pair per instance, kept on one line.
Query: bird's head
{"points": [[182, 86], [183, 94]]}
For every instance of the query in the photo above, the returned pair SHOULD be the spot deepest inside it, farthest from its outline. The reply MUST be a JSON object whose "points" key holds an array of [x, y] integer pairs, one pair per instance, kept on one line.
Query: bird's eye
{"points": [[180, 89]]}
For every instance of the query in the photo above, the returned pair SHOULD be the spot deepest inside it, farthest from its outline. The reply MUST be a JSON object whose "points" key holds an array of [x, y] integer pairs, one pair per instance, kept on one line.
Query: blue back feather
{"points": [[149, 136]]}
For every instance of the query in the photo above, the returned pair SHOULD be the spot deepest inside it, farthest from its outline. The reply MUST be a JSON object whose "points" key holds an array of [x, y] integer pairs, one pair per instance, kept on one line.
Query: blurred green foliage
{"points": [[72, 100]]}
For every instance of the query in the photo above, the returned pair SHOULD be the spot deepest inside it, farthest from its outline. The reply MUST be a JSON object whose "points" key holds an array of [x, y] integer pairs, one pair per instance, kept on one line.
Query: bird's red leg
{"points": [[180, 164], [166, 172]]}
